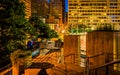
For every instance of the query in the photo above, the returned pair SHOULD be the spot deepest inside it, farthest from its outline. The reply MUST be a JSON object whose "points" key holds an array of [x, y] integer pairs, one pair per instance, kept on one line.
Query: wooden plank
{"points": [[100, 42], [71, 48]]}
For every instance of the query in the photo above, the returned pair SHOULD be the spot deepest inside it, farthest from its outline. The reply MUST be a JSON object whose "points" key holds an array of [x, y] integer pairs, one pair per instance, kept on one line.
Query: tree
{"points": [[53, 34], [14, 27], [106, 27], [79, 28], [42, 29]]}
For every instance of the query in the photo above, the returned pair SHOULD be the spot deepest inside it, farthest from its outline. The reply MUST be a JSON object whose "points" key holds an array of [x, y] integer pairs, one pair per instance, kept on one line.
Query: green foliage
{"points": [[15, 28], [108, 27], [53, 34], [69, 28], [42, 29], [10, 7], [13, 25], [79, 28]]}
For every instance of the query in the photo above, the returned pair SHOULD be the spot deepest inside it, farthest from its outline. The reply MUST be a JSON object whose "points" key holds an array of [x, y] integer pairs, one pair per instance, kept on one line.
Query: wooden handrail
{"points": [[106, 64], [96, 55], [109, 63], [68, 55], [101, 54]]}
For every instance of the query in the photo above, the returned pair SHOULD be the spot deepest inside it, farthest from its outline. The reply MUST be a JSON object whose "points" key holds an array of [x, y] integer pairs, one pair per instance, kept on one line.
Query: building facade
{"points": [[56, 9], [94, 13], [39, 8], [63, 11], [27, 8], [56, 13]]}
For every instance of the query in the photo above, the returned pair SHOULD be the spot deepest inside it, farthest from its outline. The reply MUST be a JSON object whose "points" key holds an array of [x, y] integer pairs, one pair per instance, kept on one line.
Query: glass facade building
{"points": [[94, 12]]}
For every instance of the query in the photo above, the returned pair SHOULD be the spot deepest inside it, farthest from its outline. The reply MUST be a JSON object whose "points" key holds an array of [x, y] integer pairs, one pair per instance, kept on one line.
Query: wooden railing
{"points": [[105, 69]]}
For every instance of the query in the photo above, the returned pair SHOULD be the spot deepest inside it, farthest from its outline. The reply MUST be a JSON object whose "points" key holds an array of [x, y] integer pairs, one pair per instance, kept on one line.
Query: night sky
{"points": [[48, 0], [66, 5]]}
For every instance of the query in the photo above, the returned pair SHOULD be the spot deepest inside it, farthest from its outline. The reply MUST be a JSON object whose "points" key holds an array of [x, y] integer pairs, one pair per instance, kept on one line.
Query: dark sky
{"points": [[66, 5], [48, 0]]}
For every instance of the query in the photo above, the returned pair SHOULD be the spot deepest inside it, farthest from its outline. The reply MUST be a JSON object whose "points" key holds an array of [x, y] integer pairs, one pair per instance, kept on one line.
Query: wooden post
{"points": [[15, 69]]}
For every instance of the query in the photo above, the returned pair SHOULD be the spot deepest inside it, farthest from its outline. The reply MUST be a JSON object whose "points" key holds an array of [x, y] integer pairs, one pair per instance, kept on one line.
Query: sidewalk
{"points": [[44, 51], [58, 69]]}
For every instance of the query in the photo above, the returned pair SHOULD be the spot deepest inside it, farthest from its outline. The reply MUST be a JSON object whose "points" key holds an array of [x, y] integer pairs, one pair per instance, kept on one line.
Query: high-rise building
{"points": [[66, 18], [40, 8], [27, 8], [63, 11], [94, 12], [56, 12], [56, 9]]}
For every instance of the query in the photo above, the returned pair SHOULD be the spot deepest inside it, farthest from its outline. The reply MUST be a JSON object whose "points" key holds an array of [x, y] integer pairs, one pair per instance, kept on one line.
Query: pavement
{"points": [[53, 57], [44, 51]]}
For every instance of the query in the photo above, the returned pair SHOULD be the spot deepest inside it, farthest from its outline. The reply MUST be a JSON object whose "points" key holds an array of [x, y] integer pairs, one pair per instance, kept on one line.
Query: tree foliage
{"points": [[107, 27], [79, 28], [13, 26], [42, 29]]}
